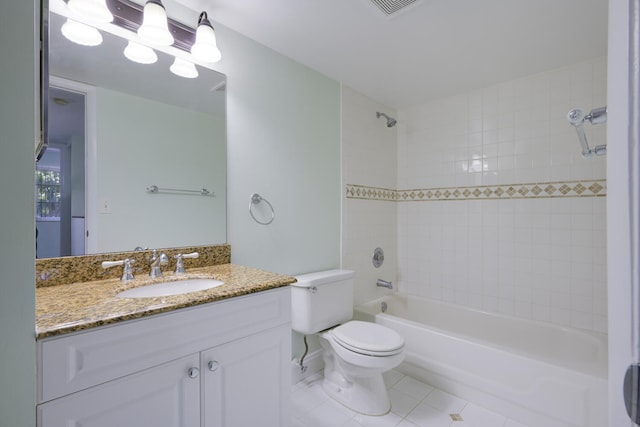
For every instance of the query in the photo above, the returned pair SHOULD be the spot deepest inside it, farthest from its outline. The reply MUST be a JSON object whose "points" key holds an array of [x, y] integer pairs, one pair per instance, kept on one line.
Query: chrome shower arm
{"points": [[596, 116]]}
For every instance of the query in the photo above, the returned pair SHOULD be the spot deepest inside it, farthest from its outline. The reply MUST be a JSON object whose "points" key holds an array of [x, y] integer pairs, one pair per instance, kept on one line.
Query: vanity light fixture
{"points": [[152, 26], [139, 53], [92, 10], [81, 34], [184, 68], [155, 28], [205, 47]]}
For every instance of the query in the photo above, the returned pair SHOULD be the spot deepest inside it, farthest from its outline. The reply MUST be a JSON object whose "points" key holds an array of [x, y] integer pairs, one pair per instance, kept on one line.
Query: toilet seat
{"points": [[368, 338]]}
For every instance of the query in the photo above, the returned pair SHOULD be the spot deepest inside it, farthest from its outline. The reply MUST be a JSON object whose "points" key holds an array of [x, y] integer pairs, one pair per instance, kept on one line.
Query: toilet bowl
{"points": [[355, 353]]}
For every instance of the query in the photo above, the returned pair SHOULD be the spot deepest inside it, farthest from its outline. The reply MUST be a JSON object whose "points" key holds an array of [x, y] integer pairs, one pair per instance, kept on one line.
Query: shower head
{"points": [[391, 122], [576, 117]]}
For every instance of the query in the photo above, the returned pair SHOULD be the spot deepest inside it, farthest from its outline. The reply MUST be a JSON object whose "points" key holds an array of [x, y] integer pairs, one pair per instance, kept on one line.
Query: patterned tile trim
{"points": [[371, 193], [538, 190]]}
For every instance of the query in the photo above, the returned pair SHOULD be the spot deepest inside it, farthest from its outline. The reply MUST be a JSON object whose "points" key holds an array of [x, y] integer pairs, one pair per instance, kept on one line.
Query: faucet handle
{"points": [[180, 265], [127, 273]]}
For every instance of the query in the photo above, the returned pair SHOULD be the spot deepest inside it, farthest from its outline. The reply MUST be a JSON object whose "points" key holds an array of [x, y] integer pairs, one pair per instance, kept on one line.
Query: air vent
{"points": [[389, 7]]}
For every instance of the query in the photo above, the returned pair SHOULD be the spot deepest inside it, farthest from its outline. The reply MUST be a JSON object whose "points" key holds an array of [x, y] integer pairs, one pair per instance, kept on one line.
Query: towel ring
{"points": [[255, 199]]}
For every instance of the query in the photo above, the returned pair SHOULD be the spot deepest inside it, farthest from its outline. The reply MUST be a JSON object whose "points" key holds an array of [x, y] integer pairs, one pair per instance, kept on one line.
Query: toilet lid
{"points": [[368, 338]]}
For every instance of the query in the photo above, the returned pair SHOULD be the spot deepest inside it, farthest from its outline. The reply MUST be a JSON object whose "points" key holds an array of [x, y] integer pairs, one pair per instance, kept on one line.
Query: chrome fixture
{"points": [[384, 284], [255, 199], [156, 261], [378, 257], [127, 273], [391, 122], [153, 189], [383, 306], [179, 261], [576, 118]]}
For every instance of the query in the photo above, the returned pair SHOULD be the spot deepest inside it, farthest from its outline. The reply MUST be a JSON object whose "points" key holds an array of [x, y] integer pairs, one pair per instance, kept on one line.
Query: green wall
{"points": [[141, 142], [283, 142], [17, 235]]}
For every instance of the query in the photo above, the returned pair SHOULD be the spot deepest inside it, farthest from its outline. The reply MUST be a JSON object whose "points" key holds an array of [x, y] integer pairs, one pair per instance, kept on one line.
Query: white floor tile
{"points": [[388, 420], [476, 416], [392, 377], [351, 423], [402, 403], [328, 414], [427, 416], [445, 402], [413, 404], [512, 423], [413, 388]]}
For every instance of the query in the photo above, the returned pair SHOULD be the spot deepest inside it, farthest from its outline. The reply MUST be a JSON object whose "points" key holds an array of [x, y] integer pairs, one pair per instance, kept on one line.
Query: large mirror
{"points": [[136, 155]]}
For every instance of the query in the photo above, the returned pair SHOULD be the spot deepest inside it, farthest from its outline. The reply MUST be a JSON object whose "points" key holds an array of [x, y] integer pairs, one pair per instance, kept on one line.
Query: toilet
{"points": [[355, 353]]}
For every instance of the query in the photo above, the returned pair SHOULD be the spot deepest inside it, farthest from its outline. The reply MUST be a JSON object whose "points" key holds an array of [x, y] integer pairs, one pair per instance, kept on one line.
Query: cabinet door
{"points": [[248, 382], [167, 395]]}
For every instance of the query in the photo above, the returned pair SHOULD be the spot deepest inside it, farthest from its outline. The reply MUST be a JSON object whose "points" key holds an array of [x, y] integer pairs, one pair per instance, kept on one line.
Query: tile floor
{"points": [[413, 404]]}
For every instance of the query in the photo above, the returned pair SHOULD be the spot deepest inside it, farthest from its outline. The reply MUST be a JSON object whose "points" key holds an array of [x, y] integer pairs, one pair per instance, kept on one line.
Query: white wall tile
{"points": [[533, 258]]}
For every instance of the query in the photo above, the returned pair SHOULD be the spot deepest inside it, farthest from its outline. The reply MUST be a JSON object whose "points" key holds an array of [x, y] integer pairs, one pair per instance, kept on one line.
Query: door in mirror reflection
{"points": [[60, 179]]}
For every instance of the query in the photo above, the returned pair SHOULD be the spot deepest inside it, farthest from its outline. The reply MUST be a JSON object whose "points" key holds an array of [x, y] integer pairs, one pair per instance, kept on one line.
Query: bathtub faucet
{"points": [[384, 284]]}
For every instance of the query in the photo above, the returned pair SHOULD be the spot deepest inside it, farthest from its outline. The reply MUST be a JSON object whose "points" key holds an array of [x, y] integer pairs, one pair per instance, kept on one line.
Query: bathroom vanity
{"points": [[220, 359]]}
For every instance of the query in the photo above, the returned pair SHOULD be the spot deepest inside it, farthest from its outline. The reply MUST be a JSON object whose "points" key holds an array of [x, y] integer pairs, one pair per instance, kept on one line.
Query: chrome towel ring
{"points": [[255, 199]]}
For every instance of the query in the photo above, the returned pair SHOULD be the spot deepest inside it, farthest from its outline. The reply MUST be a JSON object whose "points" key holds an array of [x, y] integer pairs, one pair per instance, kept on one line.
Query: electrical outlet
{"points": [[105, 206]]}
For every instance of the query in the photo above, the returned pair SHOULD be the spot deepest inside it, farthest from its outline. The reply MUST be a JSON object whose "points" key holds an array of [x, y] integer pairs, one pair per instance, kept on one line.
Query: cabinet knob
{"points": [[193, 372], [213, 365]]}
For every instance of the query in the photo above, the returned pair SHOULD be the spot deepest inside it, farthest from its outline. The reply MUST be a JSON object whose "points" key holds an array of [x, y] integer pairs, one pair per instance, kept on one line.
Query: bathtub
{"points": [[536, 373]]}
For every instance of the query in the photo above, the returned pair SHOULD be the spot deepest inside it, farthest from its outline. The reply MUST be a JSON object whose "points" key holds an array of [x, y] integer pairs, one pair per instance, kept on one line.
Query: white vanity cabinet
{"points": [[219, 364]]}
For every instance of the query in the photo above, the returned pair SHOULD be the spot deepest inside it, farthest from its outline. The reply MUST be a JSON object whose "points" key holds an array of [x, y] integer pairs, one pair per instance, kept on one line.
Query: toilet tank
{"points": [[321, 300]]}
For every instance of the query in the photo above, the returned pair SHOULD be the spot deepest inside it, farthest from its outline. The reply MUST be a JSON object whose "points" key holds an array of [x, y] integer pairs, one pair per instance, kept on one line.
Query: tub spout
{"points": [[384, 284]]}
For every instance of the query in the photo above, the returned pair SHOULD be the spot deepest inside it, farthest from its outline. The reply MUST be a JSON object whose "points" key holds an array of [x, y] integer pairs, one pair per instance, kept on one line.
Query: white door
{"points": [[164, 396], [623, 194], [247, 382]]}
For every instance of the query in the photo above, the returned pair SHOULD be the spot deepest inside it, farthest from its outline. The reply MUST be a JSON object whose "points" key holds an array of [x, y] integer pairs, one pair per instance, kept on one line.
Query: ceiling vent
{"points": [[390, 7]]}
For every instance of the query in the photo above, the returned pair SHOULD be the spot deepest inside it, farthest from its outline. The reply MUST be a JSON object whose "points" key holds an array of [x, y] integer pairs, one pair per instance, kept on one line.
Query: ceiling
{"points": [[431, 49]]}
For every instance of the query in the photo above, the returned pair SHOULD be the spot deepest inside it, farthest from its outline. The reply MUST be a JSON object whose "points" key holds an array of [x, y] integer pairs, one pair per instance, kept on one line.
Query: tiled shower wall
{"points": [[505, 214], [369, 157]]}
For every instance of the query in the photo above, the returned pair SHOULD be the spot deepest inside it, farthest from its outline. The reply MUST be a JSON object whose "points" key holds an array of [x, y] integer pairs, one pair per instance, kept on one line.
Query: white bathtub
{"points": [[533, 372]]}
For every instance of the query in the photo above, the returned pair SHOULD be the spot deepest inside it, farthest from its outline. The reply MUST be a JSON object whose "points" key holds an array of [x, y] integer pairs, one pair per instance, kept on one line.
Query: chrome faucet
{"points": [[384, 284], [127, 273], [156, 261], [180, 265]]}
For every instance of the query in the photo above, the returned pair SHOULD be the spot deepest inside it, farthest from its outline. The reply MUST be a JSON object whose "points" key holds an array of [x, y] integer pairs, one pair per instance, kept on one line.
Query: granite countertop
{"points": [[78, 306]]}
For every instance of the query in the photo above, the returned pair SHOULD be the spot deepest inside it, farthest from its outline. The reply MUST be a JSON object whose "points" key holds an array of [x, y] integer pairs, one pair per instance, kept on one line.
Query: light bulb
{"points": [[92, 10], [154, 28], [183, 68], [81, 34], [140, 53], [205, 47]]}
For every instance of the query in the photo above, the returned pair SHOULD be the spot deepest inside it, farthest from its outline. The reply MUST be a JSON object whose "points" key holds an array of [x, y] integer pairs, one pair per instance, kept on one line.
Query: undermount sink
{"points": [[170, 288]]}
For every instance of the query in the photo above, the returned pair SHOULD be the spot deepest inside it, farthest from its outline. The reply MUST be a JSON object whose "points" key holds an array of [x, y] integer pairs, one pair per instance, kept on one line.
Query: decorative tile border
{"points": [[538, 190], [371, 193]]}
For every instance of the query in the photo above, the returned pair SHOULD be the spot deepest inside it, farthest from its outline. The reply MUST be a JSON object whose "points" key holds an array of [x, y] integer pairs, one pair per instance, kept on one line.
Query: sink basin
{"points": [[170, 288]]}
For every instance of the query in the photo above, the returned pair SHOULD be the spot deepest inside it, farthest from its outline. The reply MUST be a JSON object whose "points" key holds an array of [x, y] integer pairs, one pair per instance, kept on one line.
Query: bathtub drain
{"points": [[383, 306]]}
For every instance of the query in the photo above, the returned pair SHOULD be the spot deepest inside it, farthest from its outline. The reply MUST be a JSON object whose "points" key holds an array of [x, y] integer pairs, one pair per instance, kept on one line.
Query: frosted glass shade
{"points": [[140, 53], [183, 68], [92, 10], [154, 28], [205, 47], [81, 34]]}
